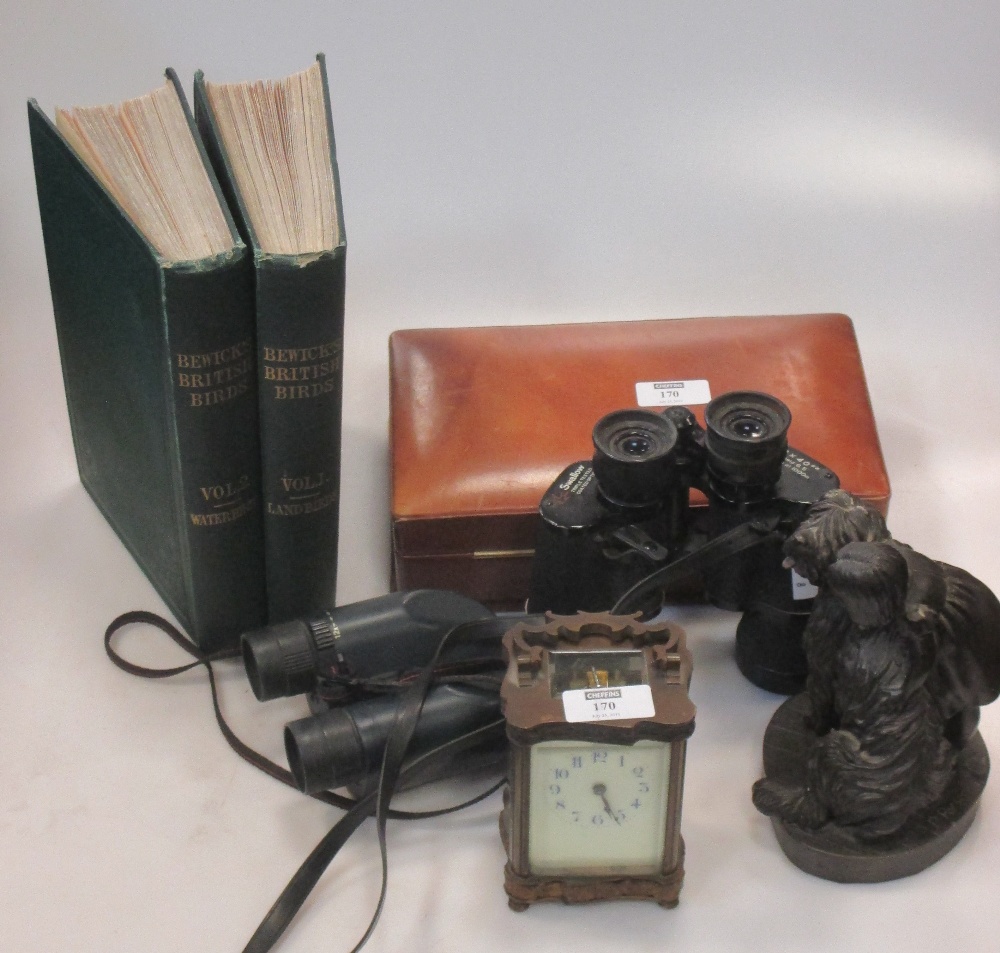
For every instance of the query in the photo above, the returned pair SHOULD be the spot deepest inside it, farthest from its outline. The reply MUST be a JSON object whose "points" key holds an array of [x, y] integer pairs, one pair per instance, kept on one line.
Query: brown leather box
{"points": [[484, 419]]}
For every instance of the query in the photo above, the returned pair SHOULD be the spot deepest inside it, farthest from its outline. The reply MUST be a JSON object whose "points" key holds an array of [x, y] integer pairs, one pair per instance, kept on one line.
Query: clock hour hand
{"points": [[602, 792]]}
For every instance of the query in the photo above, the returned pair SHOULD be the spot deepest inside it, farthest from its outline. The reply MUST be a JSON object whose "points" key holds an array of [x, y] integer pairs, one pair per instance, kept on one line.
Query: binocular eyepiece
{"points": [[746, 438], [633, 456], [639, 455]]}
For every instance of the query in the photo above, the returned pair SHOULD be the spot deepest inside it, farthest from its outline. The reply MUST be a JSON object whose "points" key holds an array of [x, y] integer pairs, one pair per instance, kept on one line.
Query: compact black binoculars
{"points": [[352, 662]]}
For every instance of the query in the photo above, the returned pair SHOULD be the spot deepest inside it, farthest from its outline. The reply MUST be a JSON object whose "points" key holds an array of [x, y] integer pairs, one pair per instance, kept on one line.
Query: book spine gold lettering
{"points": [[215, 377], [301, 372], [311, 504]]}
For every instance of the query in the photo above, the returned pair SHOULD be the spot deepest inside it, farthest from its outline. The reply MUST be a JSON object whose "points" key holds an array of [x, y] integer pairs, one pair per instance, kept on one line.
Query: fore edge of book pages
{"points": [[144, 153], [276, 137]]}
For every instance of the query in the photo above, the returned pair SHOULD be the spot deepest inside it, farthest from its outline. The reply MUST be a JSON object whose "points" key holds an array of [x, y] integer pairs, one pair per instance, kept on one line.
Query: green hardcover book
{"points": [[273, 148], [156, 343]]}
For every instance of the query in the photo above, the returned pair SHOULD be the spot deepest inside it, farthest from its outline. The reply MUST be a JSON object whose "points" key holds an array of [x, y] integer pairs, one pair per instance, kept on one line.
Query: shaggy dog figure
{"points": [[902, 651]]}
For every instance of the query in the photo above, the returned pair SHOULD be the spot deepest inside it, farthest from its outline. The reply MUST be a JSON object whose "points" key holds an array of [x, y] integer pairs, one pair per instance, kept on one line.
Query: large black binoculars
{"points": [[617, 529]]}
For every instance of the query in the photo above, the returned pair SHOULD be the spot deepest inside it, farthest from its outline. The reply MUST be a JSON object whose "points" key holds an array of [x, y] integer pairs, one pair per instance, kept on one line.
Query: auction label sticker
{"points": [[802, 588], [607, 704], [672, 393]]}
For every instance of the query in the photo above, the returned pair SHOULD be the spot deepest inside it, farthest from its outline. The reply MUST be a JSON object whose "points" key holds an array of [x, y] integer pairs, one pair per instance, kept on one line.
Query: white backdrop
{"points": [[506, 163]]}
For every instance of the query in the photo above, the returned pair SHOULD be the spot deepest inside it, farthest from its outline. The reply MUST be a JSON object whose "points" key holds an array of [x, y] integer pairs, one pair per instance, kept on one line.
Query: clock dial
{"points": [[597, 807]]}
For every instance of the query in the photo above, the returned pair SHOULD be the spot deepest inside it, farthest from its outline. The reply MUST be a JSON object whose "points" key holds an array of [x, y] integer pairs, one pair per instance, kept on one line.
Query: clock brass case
{"points": [[592, 808]]}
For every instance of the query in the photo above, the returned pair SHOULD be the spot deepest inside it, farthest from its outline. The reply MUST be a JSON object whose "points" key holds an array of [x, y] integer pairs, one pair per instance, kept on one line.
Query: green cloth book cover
{"points": [[300, 333], [158, 364]]}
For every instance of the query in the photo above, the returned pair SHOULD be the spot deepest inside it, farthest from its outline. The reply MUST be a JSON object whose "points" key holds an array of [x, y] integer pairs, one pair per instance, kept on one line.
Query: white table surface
{"points": [[506, 163]]}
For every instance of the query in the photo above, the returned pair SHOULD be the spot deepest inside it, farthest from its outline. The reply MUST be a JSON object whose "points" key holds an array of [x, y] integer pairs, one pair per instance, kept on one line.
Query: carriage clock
{"points": [[598, 715]]}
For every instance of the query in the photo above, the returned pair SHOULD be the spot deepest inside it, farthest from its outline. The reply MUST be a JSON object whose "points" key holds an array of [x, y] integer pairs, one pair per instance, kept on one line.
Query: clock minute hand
{"points": [[602, 792]]}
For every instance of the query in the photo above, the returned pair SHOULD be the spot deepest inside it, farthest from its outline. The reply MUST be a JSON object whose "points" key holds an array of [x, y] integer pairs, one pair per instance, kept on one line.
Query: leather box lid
{"points": [[484, 419]]}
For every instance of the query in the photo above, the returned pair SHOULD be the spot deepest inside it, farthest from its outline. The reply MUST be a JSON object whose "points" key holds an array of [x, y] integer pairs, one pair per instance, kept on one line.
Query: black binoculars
{"points": [[352, 662], [616, 530]]}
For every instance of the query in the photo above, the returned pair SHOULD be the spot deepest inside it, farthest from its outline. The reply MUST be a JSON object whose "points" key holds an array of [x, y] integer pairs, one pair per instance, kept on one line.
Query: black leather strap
{"points": [[723, 546], [241, 748], [413, 693]]}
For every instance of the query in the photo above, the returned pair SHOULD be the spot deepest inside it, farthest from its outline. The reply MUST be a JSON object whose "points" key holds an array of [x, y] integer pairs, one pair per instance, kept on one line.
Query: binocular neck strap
{"points": [[411, 702], [727, 544]]}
